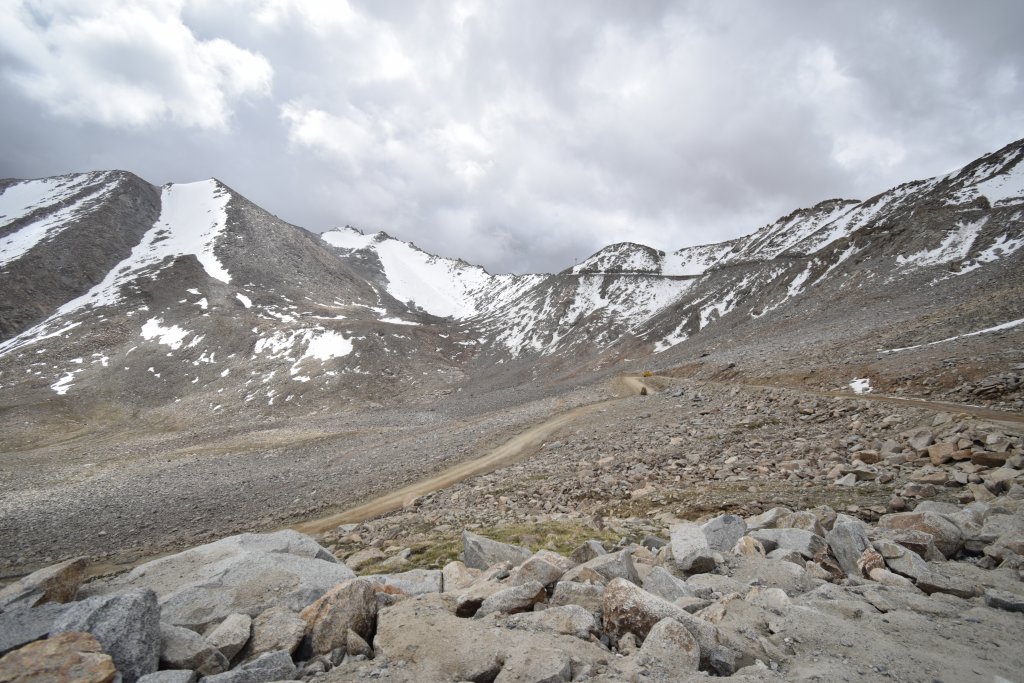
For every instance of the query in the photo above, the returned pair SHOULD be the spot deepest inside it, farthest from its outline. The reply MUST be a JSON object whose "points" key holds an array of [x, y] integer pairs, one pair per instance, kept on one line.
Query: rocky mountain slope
{"points": [[134, 295]]}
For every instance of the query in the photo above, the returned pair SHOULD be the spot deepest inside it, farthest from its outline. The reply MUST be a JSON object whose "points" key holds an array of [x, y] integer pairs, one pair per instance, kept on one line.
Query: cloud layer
{"points": [[519, 135]]}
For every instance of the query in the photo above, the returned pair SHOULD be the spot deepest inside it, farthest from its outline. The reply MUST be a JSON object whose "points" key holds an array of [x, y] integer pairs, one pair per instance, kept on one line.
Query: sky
{"points": [[519, 135]]}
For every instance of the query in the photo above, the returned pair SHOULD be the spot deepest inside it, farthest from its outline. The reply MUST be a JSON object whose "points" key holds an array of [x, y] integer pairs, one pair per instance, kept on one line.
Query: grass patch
{"points": [[444, 547]]}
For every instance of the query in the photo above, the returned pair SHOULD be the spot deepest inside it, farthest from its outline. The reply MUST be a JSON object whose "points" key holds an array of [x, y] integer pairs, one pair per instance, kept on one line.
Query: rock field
{"points": [[701, 530]]}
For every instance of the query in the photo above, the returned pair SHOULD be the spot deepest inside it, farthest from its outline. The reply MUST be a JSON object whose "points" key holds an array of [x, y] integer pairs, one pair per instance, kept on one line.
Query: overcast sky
{"points": [[518, 135]]}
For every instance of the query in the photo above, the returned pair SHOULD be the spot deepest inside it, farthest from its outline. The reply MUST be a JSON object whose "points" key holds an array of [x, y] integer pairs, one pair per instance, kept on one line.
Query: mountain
{"points": [[191, 298]]}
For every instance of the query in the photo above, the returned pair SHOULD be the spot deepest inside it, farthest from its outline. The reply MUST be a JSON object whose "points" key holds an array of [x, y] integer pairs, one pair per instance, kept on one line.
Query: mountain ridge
{"points": [[256, 311]]}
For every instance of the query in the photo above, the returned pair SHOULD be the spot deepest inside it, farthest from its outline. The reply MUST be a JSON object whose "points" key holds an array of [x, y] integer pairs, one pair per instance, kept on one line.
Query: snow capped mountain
{"points": [[141, 296]]}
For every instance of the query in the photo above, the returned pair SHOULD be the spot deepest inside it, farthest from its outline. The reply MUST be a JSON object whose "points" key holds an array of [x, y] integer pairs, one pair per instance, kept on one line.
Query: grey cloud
{"points": [[526, 135]]}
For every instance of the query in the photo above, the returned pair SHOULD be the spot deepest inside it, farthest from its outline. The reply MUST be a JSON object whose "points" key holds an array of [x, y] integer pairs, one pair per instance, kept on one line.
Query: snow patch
{"points": [[171, 336], [246, 301], [954, 247], [62, 385], [22, 199], [861, 385], [987, 330]]}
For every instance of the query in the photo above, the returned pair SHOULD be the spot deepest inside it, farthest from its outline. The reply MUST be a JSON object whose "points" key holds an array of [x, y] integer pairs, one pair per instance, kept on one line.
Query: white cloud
{"points": [[126, 64]]}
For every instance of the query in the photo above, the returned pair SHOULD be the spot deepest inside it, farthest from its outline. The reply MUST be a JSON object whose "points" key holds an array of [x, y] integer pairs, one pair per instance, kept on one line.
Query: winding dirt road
{"points": [[511, 451], [526, 443]]}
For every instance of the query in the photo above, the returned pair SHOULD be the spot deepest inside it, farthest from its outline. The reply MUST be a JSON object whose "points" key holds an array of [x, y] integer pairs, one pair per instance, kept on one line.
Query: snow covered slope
{"points": [[444, 287]]}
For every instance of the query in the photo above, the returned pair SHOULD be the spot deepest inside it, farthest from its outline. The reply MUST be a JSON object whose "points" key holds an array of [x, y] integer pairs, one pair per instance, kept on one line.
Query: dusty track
{"points": [[512, 450], [527, 442]]}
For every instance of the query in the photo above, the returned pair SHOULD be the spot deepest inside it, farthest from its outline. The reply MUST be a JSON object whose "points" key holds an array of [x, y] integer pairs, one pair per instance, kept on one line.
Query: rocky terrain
{"points": [[792, 456], [666, 536]]}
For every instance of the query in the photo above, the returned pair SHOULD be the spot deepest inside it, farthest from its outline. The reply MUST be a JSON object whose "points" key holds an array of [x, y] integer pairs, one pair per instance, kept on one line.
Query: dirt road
{"points": [[516, 448]]}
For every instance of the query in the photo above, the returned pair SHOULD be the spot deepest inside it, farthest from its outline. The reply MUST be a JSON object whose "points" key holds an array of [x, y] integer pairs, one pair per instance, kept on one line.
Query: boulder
{"points": [[630, 609], [659, 581], [588, 551], [127, 626], [277, 630], [542, 665], [455, 576], [937, 582], [56, 583], [1004, 600], [941, 453], [412, 582], [513, 600], [604, 568], [723, 531], [804, 542], [920, 439], [920, 542], [70, 657], [480, 553], [690, 550], [901, 560], [170, 676], [231, 635], [804, 519], [536, 569], [181, 648], [272, 666], [848, 542], [768, 519], [22, 625], [890, 579], [749, 547], [435, 645], [249, 574], [356, 645], [588, 596], [364, 558], [946, 534], [351, 605], [568, 620]]}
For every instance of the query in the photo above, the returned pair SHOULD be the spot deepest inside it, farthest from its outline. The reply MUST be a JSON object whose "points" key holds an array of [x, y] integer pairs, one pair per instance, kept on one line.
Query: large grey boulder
{"points": [[902, 561], [480, 553], [127, 625], [723, 531], [512, 600], [690, 550], [171, 676], [248, 574], [22, 625], [798, 540], [545, 567], [604, 568], [586, 595], [181, 648], [273, 666], [848, 542], [630, 609], [662, 583], [669, 650]]}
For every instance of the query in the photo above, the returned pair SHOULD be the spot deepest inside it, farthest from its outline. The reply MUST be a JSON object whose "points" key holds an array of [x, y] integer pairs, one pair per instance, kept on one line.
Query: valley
{"points": [[179, 367]]}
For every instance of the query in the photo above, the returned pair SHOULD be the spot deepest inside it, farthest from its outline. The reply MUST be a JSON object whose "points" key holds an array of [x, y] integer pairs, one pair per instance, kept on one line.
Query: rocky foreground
{"points": [[930, 594]]}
